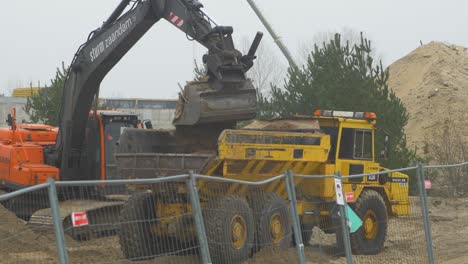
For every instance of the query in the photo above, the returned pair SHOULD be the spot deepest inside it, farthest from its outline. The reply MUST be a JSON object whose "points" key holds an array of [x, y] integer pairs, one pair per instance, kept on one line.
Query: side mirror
{"points": [[9, 120], [383, 155], [148, 124], [384, 152]]}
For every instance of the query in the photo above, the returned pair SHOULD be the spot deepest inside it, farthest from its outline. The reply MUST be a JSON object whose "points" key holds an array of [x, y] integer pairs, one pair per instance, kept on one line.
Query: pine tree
{"points": [[44, 107]]}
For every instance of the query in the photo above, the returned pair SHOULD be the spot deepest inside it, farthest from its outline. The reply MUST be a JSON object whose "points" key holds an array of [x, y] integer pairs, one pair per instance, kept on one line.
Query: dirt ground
{"points": [[405, 242]]}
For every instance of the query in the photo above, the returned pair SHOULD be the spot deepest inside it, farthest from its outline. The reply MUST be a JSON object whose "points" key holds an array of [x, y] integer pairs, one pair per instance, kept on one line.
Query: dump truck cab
{"points": [[374, 198], [352, 151]]}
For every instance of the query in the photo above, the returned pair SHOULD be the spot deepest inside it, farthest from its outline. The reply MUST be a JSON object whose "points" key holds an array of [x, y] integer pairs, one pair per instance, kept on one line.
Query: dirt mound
{"points": [[432, 82], [18, 241], [293, 124]]}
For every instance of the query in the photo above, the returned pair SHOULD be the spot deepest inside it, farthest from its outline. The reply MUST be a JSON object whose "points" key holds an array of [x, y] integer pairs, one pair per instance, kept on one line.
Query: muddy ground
{"points": [[405, 242]]}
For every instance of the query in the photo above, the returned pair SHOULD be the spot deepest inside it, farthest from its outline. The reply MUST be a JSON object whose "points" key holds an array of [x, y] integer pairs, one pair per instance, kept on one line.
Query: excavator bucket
{"points": [[201, 104]]}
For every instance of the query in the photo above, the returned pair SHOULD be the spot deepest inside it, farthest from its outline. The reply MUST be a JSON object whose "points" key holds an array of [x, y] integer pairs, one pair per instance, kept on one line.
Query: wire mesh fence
{"points": [[21, 239], [400, 225], [143, 223], [448, 211], [247, 223], [206, 219], [319, 221]]}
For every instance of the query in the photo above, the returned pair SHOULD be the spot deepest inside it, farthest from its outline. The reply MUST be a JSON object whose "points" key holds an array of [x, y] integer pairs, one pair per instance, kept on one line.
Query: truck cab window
{"points": [[333, 132], [356, 144], [112, 135], [346, 144], [363, 144]]}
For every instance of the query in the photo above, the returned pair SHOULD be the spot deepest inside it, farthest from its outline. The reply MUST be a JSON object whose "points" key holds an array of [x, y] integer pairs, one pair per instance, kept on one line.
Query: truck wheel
{"points": [[370, 237], [306, 229], [136, 218], [229, 228], [306, 232], [272, 222]]}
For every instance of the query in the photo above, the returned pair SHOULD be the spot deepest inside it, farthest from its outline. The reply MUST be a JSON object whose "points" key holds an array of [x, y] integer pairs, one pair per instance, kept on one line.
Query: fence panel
{"points": [[247, 223], [404, 237], [447, 189], [20, 240], [318, 225], [144, 222], [153, 220]]}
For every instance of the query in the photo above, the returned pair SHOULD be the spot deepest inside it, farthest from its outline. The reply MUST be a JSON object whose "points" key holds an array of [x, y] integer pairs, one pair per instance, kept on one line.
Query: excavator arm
{"points": [[104, 48]]}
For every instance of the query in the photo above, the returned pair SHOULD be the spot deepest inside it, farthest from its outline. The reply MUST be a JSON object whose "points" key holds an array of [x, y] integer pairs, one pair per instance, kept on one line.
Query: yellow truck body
{"points": [[320, 145]]}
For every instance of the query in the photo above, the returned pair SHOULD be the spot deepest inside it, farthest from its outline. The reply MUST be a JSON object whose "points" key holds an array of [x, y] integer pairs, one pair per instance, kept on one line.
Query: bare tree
{"points": [[268, 68], [347, 34], [448, 145]]}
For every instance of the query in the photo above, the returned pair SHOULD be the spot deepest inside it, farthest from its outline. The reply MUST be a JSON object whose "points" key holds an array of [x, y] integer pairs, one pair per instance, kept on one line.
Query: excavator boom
{"points": [[226, 95]]}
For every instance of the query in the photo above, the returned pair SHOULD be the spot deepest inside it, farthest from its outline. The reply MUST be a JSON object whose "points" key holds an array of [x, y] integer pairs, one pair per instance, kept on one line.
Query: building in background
{"points": [[6, 103], [159, 111], [25, 92]]}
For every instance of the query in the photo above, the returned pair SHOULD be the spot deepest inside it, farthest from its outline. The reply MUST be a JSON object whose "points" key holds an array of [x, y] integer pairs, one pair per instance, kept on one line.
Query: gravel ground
{"points": [[405, 242]]}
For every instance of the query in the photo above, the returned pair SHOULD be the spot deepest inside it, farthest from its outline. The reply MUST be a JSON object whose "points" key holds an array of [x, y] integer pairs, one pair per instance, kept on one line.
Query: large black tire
{"points": [[223, 218], [136, 219], [306, 231], [272, 221], [371, 208]]}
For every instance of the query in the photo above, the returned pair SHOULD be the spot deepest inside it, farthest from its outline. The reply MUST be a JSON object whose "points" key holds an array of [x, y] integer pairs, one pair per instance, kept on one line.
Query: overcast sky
{"points": [[38, 35]]}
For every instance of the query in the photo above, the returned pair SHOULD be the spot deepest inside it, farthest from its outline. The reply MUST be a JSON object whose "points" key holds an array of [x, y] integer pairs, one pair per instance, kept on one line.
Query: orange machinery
{"points": [[22, 153], [22, 147]]}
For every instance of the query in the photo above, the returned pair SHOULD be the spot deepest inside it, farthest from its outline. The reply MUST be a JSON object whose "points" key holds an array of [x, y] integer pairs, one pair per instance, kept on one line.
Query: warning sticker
{"points": [[79, 219], [349, 197], [428, 184], [339, 192]]}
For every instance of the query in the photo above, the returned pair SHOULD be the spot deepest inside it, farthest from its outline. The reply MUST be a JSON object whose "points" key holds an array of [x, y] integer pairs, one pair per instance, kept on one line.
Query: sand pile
{"points": [[19, 243], [432, 82]]}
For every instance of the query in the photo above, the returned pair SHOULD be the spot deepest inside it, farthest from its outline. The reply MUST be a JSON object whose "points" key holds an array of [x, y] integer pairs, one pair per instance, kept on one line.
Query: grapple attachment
{"points": [[227, 96], [200, 103]]}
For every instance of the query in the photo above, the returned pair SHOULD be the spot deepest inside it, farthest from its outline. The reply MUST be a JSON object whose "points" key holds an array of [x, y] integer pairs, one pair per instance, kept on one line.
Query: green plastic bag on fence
{"points": [[354, 222]]}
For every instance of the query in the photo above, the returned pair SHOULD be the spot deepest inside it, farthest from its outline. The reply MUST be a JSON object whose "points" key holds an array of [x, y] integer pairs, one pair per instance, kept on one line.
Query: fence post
{"points": [[344, 221], [425, 212], [201, 232], [295, 216], [58, 227]]}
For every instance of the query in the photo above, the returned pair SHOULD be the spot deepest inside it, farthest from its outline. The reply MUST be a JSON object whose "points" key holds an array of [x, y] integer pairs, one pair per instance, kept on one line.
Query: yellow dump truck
{"points": [[329, 142]]}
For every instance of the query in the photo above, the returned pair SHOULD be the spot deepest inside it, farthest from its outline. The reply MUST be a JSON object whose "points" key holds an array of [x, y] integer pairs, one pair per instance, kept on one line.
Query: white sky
{"points": [[36, 36]]}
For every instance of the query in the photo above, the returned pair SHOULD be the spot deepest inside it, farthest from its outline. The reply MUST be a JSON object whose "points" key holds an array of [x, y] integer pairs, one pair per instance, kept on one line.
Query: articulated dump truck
{"points": [[240, 219]]}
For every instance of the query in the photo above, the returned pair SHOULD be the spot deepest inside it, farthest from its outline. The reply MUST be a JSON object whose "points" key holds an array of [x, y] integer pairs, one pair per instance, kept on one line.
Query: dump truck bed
{"points": [[155, 165], [251, 154]]}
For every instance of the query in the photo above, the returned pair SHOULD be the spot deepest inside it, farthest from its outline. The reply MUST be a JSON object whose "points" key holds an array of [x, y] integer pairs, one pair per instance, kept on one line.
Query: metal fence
{"points": [[447, 204], [201, 219], [21, 242]]}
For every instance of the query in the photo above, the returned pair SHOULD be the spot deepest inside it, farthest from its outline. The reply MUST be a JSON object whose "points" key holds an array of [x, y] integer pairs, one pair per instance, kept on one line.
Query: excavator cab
{"points": [[101, 138]]}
